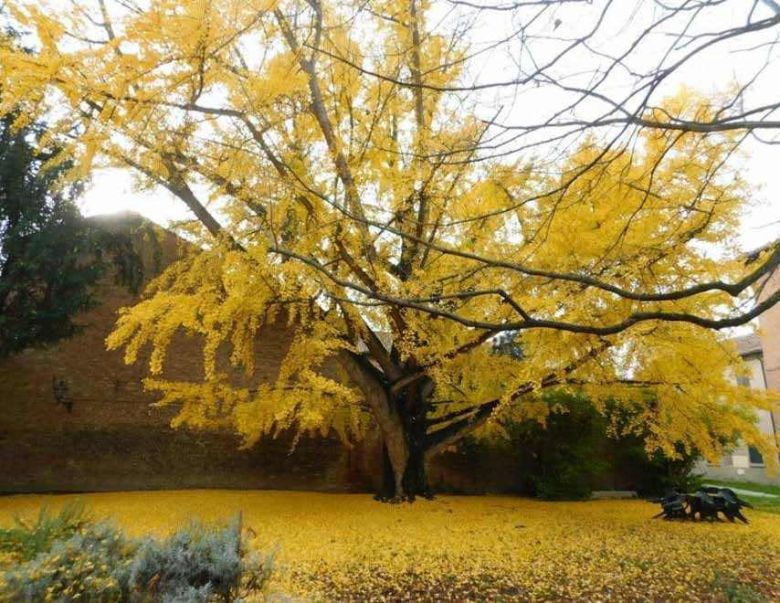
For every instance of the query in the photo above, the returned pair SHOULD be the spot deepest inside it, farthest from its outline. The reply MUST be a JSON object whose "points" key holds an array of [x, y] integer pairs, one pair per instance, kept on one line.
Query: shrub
{"points": [[199, 564], [657, 474], [562, 459], [576, 452], [26, 539], [67, 557], [90, 565]]}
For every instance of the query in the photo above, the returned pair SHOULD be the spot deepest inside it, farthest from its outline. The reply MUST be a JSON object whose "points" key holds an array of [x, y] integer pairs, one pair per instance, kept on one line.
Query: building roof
{"points": [[748, 344]]}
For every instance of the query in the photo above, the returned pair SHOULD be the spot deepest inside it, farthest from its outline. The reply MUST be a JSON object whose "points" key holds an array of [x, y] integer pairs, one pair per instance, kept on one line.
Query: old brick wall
{"points": [[111, 438]]}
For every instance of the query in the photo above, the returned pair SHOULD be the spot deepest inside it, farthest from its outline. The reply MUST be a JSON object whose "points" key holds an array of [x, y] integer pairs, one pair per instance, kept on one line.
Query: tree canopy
{"points": [[45, 277], [344, 175]]}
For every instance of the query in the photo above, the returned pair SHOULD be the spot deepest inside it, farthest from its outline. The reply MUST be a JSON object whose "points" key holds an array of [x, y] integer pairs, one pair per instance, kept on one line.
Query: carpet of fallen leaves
{"points": [[349, 547]]}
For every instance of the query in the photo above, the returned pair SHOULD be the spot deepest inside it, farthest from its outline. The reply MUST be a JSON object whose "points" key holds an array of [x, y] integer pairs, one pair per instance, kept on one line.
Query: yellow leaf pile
{"points": [[348, 547]]}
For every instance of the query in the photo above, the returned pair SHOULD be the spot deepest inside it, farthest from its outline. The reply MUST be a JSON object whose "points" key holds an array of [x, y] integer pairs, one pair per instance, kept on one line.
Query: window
{"points": [[744, 381], [755, 456]]}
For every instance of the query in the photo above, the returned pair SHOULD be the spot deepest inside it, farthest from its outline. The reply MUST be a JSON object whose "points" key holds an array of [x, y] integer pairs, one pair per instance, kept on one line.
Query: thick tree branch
{"points": [[480, 414]]}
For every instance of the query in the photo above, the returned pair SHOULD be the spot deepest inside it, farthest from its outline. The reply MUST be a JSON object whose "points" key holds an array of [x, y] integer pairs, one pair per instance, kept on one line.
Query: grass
{"points": [[765, 503], [348, 547], [764, 488]]}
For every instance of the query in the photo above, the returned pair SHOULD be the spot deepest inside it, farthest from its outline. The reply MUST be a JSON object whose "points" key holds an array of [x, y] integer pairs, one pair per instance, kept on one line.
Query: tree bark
{"points": [[395, 452], [405, 482], [401, 419]]}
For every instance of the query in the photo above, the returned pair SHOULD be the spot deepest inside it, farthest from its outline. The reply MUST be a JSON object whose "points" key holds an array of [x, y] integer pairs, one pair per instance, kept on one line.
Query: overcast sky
{"points": [[114, 190]]}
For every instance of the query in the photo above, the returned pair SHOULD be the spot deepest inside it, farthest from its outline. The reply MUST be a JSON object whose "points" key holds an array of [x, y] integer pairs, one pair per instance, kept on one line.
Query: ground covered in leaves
{"points": [[348, 547]]}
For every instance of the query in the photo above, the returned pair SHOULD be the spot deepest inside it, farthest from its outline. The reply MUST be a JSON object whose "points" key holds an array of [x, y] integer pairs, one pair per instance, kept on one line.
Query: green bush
{"points": [[67, 557], [657, 474], [573, 454], [562, 459]]}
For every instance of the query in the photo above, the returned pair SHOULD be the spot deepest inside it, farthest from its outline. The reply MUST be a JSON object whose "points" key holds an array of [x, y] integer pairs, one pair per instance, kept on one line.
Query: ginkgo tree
{"points": [[343, 180]]}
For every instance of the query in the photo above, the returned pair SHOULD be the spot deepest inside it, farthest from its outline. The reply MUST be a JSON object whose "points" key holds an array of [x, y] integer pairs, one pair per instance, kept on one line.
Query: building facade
{"points": [[761, 353]]}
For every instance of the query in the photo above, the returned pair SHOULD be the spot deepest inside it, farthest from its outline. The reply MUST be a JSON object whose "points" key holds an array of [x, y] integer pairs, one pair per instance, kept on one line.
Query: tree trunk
{"points": [[405, 483], [407, 480], [415, 478], [401, 418]]}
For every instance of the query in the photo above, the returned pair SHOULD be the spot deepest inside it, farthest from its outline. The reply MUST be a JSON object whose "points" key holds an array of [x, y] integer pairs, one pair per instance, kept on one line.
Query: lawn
{"points": [[765, 503], [348, 547]]}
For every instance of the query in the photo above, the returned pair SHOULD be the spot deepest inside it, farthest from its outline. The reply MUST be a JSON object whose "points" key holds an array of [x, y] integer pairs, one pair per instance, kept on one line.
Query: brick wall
{"points": [[111, 438]]}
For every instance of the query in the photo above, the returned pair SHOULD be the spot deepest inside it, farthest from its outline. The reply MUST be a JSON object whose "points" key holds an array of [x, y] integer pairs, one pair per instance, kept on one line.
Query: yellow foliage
{"points": [[346, 547], [350, 200]]}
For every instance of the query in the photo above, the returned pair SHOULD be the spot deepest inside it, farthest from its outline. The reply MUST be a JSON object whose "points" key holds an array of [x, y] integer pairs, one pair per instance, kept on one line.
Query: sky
{"points": [[115, 190]]}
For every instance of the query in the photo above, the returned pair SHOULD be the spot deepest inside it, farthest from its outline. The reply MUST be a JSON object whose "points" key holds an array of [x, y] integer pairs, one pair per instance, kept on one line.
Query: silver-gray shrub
{"points": [[199, 564], [94, 562]]}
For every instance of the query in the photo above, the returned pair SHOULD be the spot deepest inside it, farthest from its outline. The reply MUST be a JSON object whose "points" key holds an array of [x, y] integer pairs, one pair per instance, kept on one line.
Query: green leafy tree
{"points": [[47, 264]]}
